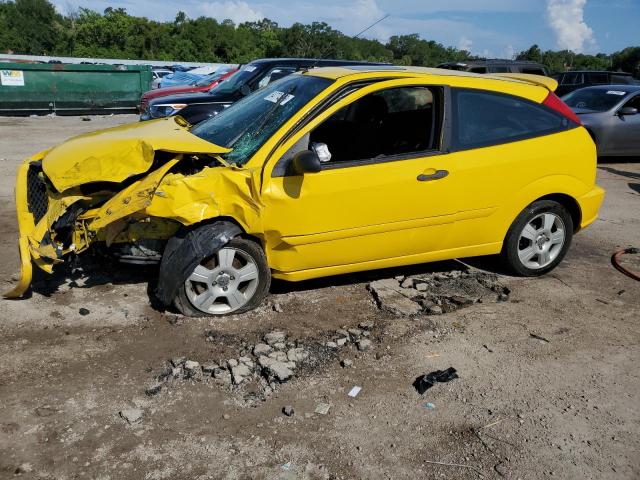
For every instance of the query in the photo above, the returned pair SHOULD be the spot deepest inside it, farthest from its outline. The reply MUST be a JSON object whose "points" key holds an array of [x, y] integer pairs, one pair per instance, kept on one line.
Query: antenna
{"points": [[374, 23]]}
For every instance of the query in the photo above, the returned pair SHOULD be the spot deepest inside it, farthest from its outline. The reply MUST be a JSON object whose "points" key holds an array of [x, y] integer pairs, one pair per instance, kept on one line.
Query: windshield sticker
{"points": [[276, 96], [616, 92], [249, 68]]}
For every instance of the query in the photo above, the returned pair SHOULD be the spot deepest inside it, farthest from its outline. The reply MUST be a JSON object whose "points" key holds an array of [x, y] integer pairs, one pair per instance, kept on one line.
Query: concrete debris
{"points": [[277, 307], [364, 344], [346, 363], [261, 349], [274, 337], [341, 342], [297, 354], [366, 325], [322, 408], [240, 373], [265, 364], [154, 389], [280, 371], [437, 293], [391, 300], [288, 410], [178, 361], [332, 345], [131, 415]]}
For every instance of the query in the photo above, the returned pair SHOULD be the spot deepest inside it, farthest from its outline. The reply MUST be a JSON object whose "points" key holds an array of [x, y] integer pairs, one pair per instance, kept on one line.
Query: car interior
{"points": [[391, 122]]}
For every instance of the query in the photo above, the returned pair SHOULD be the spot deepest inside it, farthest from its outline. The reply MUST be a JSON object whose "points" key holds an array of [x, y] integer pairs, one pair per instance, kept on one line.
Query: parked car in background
{"points": [[570, 81], [196, 107], [190, 76], [157, 74], [205, 84], [611, 115], [324, 172], [496, 66]]}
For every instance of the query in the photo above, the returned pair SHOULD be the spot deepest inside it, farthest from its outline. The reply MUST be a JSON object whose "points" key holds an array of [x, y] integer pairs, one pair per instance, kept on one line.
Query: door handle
{"points": [[437, 175]]}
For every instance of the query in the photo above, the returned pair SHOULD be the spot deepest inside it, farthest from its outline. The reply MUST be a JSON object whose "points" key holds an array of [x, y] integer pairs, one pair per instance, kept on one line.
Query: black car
{"points": [[496, 66], [196, 107], [570, 81]]}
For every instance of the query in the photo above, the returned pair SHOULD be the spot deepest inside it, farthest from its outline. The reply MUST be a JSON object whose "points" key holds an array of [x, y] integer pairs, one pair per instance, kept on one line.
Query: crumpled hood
{"points": [[115, 154]]}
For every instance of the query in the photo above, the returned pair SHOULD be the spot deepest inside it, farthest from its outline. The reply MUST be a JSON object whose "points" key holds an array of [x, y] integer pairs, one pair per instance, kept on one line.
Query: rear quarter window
{"points": [[482, 118]]}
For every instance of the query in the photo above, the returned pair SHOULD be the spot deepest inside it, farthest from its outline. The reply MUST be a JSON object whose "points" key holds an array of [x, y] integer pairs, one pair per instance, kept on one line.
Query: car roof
{"points": [[621, 88], [595, 71], [307, 61], [533, 87]]}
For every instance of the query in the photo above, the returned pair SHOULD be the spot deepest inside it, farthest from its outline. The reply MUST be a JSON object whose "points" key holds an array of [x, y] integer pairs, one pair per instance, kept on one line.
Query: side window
{"points": [[382, 126], [483, 118], [572, 79], [499, 69], [397, 121], [478, 69], [634, 102], [598, 78]]}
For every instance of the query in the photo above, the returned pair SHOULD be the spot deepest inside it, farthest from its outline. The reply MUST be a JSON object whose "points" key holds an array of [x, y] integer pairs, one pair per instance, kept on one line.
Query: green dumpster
{"points": [[68, 89]]}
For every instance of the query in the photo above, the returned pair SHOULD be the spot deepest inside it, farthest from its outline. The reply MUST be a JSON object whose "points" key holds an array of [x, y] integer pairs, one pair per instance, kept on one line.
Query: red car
{"points": [[203, 85]]}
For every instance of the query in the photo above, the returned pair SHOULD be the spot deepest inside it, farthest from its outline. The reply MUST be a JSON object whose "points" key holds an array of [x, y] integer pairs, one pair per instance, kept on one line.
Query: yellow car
{"points": [[323, 172]]}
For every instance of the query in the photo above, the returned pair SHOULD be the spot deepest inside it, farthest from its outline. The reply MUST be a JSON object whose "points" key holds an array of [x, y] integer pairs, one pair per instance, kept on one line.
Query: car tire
{"points": [[224, 279], [538, 239]]}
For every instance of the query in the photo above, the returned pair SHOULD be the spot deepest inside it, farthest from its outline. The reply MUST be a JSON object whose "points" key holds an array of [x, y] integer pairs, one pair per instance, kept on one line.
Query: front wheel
{"points": [[233, 280], [538, 239]]}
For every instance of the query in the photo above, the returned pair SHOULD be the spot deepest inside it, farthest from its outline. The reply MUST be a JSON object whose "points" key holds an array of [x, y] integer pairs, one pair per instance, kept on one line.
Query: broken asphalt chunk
{"points": [[389, 298]]}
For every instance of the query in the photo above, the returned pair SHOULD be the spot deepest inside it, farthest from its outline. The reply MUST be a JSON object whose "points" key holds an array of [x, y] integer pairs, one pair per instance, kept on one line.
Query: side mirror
{"points": [[628, 111], [245, 90], [306, 161]]}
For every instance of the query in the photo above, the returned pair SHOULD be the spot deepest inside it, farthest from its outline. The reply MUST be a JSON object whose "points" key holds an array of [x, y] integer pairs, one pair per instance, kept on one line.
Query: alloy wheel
{"points": [[541, 241], [223, 283]]}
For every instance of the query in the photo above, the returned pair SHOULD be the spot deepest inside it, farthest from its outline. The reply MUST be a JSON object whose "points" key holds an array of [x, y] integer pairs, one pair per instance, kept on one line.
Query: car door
{"points": [[624, 132], [369, 202]]}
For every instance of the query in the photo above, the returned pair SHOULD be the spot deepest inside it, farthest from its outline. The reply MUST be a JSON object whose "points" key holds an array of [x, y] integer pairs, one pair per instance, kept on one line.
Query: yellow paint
{"points": [[117, 153], [335, 221]]}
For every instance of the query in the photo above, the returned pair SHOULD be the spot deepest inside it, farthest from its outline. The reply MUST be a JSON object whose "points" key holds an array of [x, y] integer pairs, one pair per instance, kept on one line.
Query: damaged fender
{"points": [[185, 250]]}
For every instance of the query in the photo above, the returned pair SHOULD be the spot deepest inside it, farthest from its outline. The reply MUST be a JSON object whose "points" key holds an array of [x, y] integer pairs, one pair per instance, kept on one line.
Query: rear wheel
{"points": [[538, 239], [233, 280]]}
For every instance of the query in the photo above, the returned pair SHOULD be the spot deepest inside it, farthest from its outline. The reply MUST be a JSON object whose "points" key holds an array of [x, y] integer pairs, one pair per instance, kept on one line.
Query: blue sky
{"points": [[493, 28]]}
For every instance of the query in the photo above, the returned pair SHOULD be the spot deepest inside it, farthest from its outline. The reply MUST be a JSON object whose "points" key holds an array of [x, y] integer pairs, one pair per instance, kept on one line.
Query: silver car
{"points": [[610, 114]]}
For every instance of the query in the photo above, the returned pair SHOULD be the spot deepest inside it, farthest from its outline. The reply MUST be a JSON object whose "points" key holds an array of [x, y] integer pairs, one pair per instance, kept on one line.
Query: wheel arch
{"points": [[568, 202]]}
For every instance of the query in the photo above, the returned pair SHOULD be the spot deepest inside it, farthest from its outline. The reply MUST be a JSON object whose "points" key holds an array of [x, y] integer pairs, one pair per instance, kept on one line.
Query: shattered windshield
{"points": [[247, 124]]}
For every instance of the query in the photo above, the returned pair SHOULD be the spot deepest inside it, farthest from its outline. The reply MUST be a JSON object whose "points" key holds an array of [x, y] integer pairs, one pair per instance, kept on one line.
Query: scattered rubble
{"points": [[436, 293], [131, 415], [346, 363], [322, 408]]}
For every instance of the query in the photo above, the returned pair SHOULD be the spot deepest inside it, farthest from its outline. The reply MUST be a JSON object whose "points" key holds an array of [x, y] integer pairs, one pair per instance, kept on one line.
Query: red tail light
{"points": [[554, 103]]}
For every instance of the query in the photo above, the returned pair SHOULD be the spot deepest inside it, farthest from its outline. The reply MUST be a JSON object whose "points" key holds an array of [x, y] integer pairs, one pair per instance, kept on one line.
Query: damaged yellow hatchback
{"points": [[323, 172]]}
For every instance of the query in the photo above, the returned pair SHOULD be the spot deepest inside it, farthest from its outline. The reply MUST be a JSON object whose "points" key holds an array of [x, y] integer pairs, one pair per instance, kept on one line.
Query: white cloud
{"points": [[465, 44], [237, 11], [566, 18]]}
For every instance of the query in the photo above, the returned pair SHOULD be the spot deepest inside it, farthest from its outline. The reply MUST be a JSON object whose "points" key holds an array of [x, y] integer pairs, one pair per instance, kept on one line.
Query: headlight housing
{"points": [[165, 109]]}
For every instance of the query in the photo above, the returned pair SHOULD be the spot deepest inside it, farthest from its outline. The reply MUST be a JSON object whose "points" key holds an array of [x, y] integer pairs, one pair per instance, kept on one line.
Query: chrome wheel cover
{"points": [[223, 283]]}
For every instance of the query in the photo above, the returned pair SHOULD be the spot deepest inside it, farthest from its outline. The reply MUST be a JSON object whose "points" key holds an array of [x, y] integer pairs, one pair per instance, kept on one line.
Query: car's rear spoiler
{"points": [[546, 82]]}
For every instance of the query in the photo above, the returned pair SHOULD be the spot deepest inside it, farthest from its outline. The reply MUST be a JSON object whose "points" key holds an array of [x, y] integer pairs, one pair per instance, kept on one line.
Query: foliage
{"points": [[34, 27]]}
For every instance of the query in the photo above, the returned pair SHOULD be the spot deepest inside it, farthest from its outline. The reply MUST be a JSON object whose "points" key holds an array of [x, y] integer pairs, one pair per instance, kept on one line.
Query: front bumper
{"points": [[26, 226]]}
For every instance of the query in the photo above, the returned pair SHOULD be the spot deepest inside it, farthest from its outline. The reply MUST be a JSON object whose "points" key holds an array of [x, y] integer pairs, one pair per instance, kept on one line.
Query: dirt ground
{"points": [[548, 382]]}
